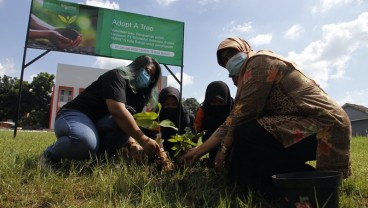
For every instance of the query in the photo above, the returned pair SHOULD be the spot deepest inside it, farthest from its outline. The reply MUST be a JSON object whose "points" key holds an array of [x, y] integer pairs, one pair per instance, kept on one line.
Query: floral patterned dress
{"points": [[291, 107]]}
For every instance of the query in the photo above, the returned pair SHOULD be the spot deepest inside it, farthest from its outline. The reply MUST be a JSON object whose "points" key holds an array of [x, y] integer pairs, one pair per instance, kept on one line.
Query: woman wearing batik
{"points": [[281, 119]]}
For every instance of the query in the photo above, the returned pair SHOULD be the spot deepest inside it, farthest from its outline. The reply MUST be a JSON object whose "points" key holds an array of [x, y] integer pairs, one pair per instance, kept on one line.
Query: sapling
{"points": [[150, 121], [185, 141], [67, 31], [67, 19]]}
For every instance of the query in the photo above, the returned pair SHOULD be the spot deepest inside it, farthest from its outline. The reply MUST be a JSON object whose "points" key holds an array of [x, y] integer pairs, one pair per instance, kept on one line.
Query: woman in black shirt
{"points": [[100, 118]]}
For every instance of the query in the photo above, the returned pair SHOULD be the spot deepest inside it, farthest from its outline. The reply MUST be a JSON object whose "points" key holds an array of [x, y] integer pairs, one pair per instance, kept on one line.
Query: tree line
{"points": [[35, 103]]}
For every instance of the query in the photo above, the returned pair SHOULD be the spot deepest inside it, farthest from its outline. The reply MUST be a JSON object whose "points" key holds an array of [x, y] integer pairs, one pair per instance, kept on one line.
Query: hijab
{"points": [[214, 116], [172, 113], [235, 43]]}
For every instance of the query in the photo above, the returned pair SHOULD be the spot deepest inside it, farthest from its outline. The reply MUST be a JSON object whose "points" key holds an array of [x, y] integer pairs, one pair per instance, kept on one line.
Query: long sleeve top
{"points": [[291, 107]]}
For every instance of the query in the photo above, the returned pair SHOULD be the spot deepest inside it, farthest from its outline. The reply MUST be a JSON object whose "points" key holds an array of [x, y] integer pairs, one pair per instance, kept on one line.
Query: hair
{"points": [[131, 72]]}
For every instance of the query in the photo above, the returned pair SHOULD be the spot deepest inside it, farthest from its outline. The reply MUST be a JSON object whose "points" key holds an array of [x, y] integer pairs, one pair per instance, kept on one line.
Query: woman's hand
{"points": [[136, 152], [220, 161], [63, 42], [151, 147], [191, 156]]}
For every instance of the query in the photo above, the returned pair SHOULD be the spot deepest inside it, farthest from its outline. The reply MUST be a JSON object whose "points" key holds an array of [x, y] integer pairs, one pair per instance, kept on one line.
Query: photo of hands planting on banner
{"points": [[77, 28]]}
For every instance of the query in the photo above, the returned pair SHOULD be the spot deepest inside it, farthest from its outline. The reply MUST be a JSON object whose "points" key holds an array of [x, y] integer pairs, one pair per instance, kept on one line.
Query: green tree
{"points": [[35, 100], [9, 88], [39, 94], [191, 104]]}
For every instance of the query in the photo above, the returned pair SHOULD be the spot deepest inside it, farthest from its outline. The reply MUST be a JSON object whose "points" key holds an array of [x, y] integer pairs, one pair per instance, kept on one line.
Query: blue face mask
{"points": [[143, 79], [234, 64]]}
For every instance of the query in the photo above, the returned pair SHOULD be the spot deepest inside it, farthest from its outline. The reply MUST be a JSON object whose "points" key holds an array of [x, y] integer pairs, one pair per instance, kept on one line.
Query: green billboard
{"points": [[104, 32]]}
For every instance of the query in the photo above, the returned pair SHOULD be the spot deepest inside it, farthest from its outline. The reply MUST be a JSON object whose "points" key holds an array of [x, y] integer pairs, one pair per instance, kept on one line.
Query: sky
{"points": [[327, 39]]}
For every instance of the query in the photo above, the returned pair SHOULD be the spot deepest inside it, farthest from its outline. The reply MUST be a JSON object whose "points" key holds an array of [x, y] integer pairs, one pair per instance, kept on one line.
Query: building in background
{"points": [[358, 116], [71, 80]]}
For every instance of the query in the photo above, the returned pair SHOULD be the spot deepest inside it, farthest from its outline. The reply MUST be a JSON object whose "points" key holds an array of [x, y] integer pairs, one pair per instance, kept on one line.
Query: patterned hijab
{"points": [[236, 43]]}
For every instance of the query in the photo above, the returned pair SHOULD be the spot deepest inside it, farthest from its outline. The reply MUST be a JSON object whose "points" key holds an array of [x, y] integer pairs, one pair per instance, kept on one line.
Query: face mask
{"points": [[219, 108], [170, 114], [143, 79], [234, 64]]}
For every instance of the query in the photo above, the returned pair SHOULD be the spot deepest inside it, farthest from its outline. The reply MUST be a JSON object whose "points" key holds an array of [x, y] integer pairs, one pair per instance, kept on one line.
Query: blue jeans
{"points": [[78, 137]]}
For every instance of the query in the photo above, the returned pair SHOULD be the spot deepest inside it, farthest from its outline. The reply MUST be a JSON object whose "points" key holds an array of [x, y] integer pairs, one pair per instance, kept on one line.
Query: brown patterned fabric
{"points": [[291, 107]]}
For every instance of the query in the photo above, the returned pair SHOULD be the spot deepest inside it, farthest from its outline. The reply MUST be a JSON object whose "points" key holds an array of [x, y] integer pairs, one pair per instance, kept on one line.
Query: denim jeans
{"points": [[78, 137]]}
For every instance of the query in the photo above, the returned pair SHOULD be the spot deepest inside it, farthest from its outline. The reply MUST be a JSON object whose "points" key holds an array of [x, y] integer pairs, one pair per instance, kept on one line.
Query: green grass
{"points": [[120, 183]]}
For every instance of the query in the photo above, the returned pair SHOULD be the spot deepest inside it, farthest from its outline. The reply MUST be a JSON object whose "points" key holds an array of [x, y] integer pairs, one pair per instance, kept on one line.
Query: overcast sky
{"points": [[328, 39]]}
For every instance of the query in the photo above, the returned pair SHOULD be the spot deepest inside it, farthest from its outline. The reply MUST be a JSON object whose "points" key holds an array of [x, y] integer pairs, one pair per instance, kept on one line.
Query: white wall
{"points": [[76, 77]]}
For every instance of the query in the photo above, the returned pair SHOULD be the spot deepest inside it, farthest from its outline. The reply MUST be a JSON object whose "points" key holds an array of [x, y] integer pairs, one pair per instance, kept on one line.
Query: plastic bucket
{"points": [[313, 189]]}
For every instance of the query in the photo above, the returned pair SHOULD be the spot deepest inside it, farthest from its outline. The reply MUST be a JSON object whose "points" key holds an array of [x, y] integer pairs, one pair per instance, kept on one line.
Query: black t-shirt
{"points": [[110, 85]]}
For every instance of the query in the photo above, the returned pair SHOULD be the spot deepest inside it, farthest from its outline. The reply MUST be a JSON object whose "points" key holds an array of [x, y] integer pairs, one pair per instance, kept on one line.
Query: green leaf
{"points": [[190, 142], [168, 123], [63, 19], [72, 19], [146, 116], [179, 138], [172, 140], [154, 125], [144, 123]]}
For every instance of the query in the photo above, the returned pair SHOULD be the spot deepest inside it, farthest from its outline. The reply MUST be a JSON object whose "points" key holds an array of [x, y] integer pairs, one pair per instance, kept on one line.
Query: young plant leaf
{"points": [[72, 19], [63, 19], [146, 116], [168, 123], [145, 123], [190, 142]]}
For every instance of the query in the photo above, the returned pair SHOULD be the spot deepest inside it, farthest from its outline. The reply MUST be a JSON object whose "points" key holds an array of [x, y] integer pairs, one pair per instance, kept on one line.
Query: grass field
{"points": [[120, 183]]}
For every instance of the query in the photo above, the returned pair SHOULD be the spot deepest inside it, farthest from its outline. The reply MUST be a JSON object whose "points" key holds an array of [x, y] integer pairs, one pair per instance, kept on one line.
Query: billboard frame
{"points": [[25, 65]]}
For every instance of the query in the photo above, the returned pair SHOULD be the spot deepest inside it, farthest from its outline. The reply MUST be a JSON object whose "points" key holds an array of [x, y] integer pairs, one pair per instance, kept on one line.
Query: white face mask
{"points": [[234, 64]]}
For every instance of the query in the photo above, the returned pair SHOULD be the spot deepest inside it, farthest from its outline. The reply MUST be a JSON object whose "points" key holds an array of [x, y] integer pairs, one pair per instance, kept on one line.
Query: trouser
{"points": [[78, 137], [257, 155]]}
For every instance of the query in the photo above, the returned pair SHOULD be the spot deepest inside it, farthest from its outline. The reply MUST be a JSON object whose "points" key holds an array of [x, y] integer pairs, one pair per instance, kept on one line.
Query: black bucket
{"points": [[314, 189]]}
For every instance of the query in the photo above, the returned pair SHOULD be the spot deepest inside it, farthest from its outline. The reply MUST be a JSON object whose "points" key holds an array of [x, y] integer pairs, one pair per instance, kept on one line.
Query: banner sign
{"points": [[76, 28]]}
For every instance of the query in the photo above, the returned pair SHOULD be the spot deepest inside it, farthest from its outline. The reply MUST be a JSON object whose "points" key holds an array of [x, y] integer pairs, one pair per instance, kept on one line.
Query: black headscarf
{"points": [[172, 114], [214, 116]]}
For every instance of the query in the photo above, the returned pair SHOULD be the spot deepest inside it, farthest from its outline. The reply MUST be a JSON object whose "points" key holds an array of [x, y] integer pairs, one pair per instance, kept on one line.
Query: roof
{"points": [[357, 107]]}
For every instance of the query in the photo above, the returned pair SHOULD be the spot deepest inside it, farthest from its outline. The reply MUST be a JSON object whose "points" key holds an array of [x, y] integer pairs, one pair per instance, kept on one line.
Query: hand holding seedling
{"points": [[57, 36], [61, 41], [191, 156]]}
